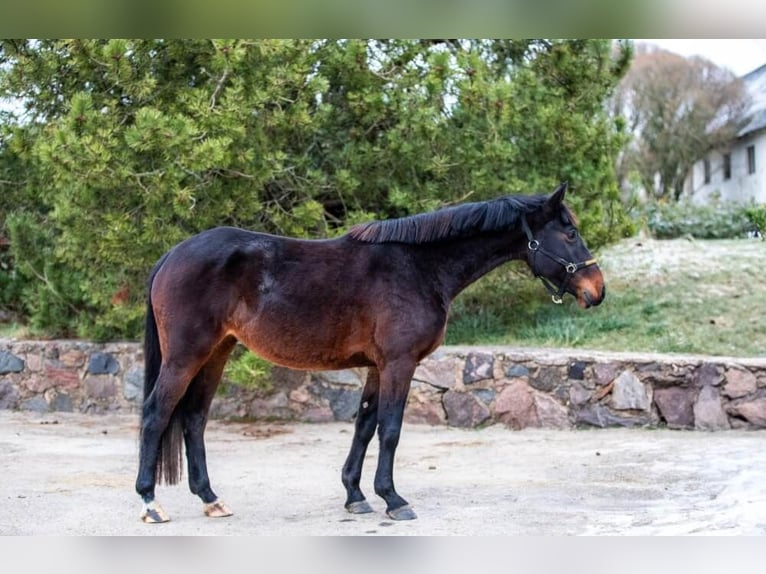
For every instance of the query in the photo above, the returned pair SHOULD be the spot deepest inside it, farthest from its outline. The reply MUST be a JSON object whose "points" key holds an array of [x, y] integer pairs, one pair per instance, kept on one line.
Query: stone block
{"points": [[439, 372], [515, 406], [103, 364], [708, 412], [463, 409], [676, 405], [629, 393], [10, 363], [478, 367], [739, 383]]}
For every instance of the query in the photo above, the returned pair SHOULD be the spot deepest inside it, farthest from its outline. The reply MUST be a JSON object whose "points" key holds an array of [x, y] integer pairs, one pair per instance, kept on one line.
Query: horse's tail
{"points": [[170, 457]]}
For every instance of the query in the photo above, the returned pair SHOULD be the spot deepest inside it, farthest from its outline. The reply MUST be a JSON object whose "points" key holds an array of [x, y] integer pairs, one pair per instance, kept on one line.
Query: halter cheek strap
{"points": [[571, 267]]}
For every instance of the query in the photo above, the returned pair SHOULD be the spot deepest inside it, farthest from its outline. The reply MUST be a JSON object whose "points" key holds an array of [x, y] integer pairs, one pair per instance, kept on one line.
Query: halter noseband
{"points": [[571, 267]]}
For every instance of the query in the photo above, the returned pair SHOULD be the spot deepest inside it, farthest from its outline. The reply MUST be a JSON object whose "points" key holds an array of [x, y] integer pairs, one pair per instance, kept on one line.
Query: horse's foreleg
{"points": [[365, 424], [196, 404], [394, 386]]}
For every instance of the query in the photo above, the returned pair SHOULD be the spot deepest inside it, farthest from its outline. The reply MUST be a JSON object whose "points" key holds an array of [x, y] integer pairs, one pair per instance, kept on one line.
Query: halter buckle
{"points": [[534, 245], [556, 299], [571, 268]]}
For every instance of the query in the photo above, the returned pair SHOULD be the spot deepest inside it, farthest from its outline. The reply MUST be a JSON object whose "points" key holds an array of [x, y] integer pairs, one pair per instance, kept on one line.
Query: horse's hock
{"points": [[457, 386]]}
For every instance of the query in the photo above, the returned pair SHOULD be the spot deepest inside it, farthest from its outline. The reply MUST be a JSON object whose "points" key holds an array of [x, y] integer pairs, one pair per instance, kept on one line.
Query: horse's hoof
{"points": [[152, 513], [217, 509], [359, 507], [402, 513]]}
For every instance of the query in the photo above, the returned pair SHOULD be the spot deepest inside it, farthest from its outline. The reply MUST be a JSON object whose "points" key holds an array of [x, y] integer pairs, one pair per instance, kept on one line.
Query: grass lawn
{"points": [[671, 296]]}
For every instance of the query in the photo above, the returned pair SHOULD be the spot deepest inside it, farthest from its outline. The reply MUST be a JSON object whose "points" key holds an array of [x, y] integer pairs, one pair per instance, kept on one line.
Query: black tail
{"points": [[170, 460]]}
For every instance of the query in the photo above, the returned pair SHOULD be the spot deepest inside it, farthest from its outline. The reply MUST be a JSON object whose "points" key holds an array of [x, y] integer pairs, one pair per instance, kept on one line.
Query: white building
{"points": [[736, 173]]}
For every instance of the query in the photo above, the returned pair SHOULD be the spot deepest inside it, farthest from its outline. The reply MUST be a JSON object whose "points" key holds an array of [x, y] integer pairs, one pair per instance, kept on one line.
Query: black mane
{"points": [[450, 222]]}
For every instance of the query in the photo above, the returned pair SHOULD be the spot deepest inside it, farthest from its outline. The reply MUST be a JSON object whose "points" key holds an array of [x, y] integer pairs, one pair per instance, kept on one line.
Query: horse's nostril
{"points": [[603, 292]]}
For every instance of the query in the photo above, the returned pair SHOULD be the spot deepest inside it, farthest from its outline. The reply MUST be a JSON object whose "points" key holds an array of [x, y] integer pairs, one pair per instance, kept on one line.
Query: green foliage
{"points": [[756, 214], [248, 370], [709, 221], [125, 147]]}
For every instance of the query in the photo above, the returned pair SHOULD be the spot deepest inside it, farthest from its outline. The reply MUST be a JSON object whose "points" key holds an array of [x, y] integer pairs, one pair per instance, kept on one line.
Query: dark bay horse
{"points": [[377, 297]]}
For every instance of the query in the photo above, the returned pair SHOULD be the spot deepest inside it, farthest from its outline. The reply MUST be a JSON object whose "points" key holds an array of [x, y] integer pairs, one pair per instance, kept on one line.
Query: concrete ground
{"points": [[69, 474]]}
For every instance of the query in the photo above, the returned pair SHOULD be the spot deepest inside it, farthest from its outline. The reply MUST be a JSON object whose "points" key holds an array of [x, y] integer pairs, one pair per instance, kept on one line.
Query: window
{"points": [[706, 165], [751, 159], [727, 166]]}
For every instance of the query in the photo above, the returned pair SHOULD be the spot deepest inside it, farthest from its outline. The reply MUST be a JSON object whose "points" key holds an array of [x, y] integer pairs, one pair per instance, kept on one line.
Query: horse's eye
{"points": [[572, 234]]}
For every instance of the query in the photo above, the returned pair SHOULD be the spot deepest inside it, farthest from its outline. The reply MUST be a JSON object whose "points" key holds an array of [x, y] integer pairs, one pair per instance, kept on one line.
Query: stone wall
{"points": [[458, 386]]}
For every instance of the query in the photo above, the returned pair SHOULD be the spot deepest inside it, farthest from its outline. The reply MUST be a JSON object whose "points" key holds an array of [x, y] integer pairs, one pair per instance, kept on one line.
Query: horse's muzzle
{"points": [[589, 301], [590, 289]]}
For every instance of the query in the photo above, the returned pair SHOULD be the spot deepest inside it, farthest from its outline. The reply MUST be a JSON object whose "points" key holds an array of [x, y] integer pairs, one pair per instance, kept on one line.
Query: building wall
{"points": [[742, 187]]}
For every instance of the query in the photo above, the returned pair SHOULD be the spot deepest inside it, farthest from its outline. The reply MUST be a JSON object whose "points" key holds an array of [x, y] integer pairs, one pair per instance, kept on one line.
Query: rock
{"points": [[441, 372], [547, 378], [72, 358], [276, 405], [605, 373], [550, 413], [478, 367], [37, 404], [515, 406], [100, 387], [343, 401], [424, 406], [708, 374], [103, 364], [9, 396], [676, 405], [753, 410], [133, 385], [600, 416], [739, 383], [578, 394], [464, 409], [630, 394], [62, 402], [515, 371], [348, 377], [576, 370], [62, 377], [708, 412], [10, 363], [485, 395]]}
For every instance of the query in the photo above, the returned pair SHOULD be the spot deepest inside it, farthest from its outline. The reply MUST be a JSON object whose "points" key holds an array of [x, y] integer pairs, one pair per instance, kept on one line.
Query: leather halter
{"points": [[571, 267]]}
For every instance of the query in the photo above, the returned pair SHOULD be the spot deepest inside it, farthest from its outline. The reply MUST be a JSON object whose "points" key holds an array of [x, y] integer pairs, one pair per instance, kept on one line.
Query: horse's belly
{"points": [[307, 343]]}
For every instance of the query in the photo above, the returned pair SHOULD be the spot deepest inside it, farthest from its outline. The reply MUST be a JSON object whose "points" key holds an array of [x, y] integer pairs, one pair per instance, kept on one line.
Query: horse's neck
{"points": [[459, 263]]}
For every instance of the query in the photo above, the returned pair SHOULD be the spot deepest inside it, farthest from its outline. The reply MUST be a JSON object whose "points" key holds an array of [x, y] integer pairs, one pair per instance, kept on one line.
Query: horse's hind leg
{"points": [[196, 404], [157, 420], [366, 422]]}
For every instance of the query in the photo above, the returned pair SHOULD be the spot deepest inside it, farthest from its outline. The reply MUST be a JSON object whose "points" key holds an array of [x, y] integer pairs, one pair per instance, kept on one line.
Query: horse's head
{"points": [[557, 254]]}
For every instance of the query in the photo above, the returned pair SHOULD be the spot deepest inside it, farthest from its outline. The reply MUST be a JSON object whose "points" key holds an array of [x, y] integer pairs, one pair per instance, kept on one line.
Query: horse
{"points": [[377, 297]]}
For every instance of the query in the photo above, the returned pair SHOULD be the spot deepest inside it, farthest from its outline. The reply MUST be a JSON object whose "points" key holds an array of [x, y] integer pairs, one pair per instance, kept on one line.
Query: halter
{"points": [[571, 267]]}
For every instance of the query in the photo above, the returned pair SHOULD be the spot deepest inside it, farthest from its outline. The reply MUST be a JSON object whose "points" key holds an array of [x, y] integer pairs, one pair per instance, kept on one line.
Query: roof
{"points": [[755, 82]]}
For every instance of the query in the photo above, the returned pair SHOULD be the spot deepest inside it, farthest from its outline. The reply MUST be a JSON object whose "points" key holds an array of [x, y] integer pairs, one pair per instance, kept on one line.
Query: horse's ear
{"points": [[552, 206], [557, 197]]}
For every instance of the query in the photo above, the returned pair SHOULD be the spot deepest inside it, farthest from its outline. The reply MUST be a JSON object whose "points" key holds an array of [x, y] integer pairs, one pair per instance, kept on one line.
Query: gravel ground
{"points": [[69, 474]]}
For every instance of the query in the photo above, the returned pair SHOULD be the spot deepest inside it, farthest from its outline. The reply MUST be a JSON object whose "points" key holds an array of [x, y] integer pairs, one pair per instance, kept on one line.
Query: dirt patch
{"points": [[71, 478]]}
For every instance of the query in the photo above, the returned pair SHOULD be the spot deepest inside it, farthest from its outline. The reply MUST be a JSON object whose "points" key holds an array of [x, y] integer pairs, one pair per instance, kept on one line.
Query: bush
{"points": [[714, 221], [248, 370], [757, 216]]}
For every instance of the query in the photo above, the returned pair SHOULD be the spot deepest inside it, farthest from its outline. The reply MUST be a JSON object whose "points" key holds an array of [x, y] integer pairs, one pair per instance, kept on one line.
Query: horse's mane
{"points": [[451, 222]]}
